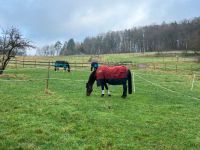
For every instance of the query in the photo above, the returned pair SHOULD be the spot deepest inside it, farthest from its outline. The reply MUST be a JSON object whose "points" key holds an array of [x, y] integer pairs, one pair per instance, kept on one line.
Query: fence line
{"points": [[135, 74], [153, 66], [164, 74], [74, 64], [167, 89]]}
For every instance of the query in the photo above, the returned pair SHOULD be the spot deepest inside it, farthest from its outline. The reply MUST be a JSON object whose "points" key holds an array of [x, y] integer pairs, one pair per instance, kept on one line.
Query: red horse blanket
{"points": [[111, 72]]}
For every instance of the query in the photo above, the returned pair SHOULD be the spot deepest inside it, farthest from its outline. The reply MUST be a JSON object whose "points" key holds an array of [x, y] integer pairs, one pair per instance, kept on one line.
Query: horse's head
{"points": [[88, 89], [90, 83]]}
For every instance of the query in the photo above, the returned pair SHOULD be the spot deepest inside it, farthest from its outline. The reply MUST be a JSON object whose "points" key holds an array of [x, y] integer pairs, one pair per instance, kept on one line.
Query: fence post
{"points": [[191, 69], [47, 80], [133, 82], [15, 63], [176, 68], [163, 58], [193, 82], [23, 61], [35, 63]]}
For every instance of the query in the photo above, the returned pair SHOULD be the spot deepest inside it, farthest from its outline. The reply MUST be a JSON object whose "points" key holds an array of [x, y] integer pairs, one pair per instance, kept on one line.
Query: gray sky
{"points": [[46, 21]]}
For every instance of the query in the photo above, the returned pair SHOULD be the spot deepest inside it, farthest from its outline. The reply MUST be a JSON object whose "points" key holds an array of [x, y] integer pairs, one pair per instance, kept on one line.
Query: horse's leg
{"points": [[102, 89], [124, 90], [106, 86]]}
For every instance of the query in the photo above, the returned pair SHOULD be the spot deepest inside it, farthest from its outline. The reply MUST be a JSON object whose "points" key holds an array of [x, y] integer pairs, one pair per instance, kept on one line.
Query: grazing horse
{"points": [[63, 64], [94, 65], [113, 75]]}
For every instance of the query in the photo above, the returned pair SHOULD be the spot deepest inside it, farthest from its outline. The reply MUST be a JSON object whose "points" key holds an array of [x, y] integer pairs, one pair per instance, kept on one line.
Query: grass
{"points": [[65, 118]]}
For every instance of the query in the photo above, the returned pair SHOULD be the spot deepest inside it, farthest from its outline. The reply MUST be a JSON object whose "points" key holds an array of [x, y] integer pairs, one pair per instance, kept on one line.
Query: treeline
{"points": [[184, 35]]}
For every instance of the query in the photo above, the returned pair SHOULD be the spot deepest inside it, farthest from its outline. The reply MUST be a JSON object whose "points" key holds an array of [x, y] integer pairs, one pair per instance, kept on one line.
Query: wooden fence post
{"points": [[15, 63], [35, 63], [23, 61], [47, 80]]}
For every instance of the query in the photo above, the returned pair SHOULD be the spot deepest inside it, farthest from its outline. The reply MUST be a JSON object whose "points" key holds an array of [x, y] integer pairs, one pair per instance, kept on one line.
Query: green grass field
{"points": [[163, 113]]}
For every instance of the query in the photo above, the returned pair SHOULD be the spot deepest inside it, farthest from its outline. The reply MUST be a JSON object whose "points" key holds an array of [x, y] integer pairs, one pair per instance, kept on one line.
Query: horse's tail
{"points": [[129, 82]]}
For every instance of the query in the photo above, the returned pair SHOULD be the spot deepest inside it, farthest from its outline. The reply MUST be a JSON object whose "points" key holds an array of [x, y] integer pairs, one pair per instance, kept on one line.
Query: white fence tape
{"points": [[167, 89], [164, 75], [134, 74]]}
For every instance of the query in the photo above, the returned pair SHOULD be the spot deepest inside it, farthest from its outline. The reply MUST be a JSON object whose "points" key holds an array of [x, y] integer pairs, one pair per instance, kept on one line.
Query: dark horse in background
{"points": [[94, 65], [62, 64], [113, 75]]}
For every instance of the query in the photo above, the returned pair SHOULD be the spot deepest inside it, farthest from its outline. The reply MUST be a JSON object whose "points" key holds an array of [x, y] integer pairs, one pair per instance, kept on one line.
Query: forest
{"points": [[179, 36]]}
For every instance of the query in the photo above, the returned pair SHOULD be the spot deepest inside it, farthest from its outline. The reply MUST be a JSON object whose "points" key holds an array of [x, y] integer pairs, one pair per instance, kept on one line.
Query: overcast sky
{"points": [[46, 21]]}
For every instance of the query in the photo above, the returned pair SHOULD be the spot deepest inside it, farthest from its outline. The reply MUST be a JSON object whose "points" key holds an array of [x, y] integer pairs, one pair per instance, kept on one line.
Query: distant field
{"points": [[131, 57], [163, 113], [174, 62]]}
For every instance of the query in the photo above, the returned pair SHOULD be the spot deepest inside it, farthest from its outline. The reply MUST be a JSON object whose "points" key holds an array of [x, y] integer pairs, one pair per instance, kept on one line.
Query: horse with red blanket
{"points": [[114, 75]]}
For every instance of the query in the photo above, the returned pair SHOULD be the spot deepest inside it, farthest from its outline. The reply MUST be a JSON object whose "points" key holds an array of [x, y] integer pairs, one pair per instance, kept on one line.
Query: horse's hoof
{"points": [[102, 95], [109, 95], [123, 96]]}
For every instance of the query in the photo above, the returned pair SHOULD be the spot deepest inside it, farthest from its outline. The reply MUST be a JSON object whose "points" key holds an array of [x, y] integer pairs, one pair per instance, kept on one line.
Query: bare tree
{"points": [[11, 41], [57, 47]]}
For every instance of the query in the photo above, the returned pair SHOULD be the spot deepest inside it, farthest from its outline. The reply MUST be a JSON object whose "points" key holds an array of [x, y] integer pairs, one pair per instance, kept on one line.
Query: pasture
{"points": [[163, 113]]}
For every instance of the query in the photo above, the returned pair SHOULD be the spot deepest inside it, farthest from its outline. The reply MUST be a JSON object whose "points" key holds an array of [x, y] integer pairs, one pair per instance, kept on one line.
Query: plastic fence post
{"points": [[193, 82], [133, 83]]}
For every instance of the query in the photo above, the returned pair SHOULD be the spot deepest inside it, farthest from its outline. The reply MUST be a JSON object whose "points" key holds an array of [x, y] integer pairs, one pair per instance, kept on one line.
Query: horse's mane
{"points": [[92, 77]]}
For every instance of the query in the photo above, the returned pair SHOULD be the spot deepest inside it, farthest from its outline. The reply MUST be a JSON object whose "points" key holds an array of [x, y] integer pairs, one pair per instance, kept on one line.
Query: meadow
{"points": [[163, 113]]}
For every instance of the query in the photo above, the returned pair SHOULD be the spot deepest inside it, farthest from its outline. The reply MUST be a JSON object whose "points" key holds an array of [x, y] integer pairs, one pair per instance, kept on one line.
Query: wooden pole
{"points": [[35, 63], [23, 62], [47, 80], [15, 63]]}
